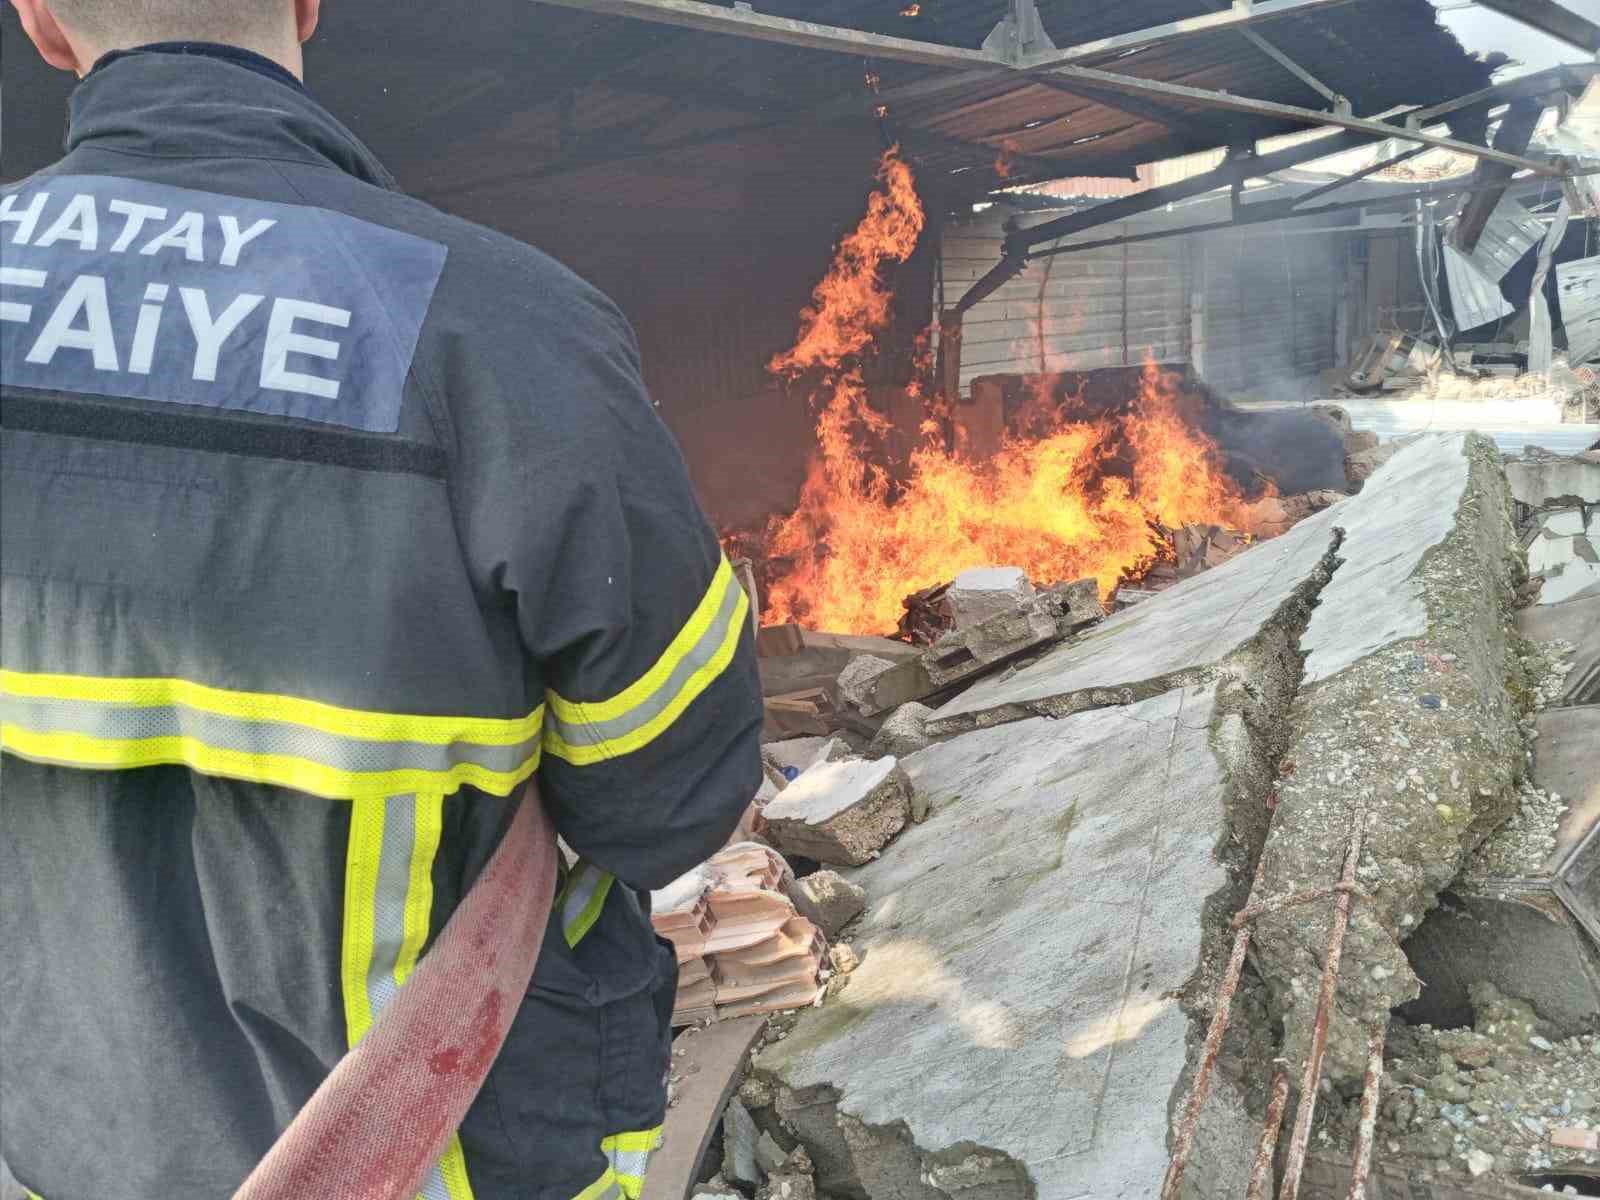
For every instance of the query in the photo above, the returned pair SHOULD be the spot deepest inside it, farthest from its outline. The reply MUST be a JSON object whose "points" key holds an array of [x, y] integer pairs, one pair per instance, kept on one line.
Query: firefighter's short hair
{"points": [[170, 20]]}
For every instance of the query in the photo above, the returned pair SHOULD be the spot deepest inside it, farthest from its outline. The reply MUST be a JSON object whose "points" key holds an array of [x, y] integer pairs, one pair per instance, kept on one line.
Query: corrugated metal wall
{"points": [[1271, 303], [1268, 303], [1096, 308]]}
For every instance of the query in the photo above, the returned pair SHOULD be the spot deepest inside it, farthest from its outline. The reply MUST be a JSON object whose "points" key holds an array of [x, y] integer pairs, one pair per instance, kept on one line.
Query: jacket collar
{"points": [[164, 105]]}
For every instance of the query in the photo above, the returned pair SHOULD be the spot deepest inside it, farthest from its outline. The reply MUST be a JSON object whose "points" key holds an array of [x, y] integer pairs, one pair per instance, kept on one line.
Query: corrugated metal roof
{"points": [[555, 107]]}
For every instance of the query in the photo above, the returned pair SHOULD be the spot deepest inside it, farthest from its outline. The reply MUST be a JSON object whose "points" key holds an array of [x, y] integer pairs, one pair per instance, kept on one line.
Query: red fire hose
{"points": [[382, 1118]]}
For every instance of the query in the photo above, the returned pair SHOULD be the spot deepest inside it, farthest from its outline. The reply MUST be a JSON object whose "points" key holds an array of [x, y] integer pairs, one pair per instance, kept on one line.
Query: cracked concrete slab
{"points": [[1183, 633], [1405, 712], [1024, 959]]}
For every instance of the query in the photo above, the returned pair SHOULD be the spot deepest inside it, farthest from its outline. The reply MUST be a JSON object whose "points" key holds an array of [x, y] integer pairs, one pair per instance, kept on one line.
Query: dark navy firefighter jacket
{"points": [[328, 520]]}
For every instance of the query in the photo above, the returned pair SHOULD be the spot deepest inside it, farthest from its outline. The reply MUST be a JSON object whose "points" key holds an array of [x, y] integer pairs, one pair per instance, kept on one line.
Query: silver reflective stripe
{"points": [[591, 733], [586, 879], [630, 1162], [389, 925], [122, 722]]}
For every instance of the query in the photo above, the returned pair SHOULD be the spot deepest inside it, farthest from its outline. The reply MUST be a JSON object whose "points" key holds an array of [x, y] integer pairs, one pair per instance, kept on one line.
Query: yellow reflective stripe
{"points": [[585, 755], [648, 684], [363, 851], [279, 770], [266, 706], [587, 888], [453, 1167], [382, 892], [419, 894], [601, 1189], [629, 1156]]}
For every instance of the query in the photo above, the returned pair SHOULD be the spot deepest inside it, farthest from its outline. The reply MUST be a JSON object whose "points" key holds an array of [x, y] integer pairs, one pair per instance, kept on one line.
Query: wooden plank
{"points": [[708, 1071], [778, 641]]}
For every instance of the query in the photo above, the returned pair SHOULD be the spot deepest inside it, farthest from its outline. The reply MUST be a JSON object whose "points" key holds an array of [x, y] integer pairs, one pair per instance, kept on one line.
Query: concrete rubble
{"points": [[828, 900], [984, 592], [1040, 864], [841, 812], [1028, 961], [1035, 963]]}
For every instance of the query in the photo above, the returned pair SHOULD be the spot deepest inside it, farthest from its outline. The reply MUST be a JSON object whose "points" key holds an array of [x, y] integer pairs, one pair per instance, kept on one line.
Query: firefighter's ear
{"points": [[46, 33], [306, 13]]}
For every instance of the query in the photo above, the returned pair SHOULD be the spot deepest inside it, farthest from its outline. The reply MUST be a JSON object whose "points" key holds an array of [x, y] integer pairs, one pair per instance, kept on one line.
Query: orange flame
{"points": [[1006, 158], [1076, 499]]}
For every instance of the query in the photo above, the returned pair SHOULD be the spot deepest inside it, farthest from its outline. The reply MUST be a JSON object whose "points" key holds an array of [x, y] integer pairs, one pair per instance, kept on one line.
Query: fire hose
{"points": [[386, 1112]]}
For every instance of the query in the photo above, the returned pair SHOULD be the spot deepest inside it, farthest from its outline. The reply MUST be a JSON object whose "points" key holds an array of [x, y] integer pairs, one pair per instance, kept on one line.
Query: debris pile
{"points": [[742, 947], [1500, 1097]]}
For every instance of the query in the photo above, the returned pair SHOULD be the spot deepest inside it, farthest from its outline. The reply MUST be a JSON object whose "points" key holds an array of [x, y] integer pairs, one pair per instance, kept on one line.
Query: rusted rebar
{"points": [[1371, 1086], [1251, 912], [1261, 1173], [1295, 1163], [1183, 1142]]}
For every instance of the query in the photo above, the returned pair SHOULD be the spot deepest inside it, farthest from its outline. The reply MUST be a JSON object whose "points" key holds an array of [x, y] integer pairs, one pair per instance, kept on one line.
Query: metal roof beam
{"points": [[1239, 15], [1294, 68], [808, 35], [712, 18], [1571, 77], [1548, 17], [1227, 102]]}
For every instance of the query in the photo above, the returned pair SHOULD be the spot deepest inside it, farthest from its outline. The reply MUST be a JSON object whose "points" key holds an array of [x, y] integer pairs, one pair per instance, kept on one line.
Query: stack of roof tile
{"points": [[742, 947]]}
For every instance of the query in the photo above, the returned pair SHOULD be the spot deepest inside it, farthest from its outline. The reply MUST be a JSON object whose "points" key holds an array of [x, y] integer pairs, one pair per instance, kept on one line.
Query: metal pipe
{"points": [[1183, 1142], [1261, 1172], [1307, 1106], [1371, 1086], [1373, 169]]}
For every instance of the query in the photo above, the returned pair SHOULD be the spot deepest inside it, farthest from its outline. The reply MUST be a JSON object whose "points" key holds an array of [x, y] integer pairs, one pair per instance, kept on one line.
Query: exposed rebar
{"points": [[1312, 1077], [1371, 1086], [1183, 1143], [1261, 1172]]}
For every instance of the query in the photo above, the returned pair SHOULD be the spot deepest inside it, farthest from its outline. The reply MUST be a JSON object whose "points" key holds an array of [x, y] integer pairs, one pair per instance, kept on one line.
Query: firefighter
{"points": [[329, 520]]}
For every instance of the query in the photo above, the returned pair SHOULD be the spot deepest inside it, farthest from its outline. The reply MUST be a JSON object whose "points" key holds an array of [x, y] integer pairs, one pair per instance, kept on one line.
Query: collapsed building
{"points": [[1181, 733]]}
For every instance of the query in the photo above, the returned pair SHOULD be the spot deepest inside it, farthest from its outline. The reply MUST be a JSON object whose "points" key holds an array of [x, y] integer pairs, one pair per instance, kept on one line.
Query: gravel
{"points": [[1459, 1098]]}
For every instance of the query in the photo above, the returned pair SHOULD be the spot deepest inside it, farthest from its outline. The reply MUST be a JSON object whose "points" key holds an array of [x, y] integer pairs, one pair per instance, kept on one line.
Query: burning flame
{"points": [[1007, 156], [1074, 498]]}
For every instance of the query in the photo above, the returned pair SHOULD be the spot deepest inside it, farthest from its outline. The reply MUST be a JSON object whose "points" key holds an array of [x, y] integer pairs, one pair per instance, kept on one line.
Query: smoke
{"points": [[1299, 451]]}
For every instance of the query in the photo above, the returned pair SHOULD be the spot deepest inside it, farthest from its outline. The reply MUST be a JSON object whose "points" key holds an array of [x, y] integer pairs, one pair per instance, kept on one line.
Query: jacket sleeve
{"points": [[631, 618]]}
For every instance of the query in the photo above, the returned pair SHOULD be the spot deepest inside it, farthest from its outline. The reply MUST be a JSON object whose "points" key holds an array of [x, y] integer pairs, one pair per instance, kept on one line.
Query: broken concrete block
{"points": [[963, 653], [1541, 481], [739, 1136], [793, 754], [842, 958], [841, 812], [984, 592], [857, 677], [902, 1084], [1080, 604], [904, 732], [769, 1155], [828, 901]]}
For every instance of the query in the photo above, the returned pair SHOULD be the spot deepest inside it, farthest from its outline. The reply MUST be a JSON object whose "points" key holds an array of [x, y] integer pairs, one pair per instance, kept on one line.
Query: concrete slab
{"points": [[1403, 719], [1540, 481], [1185, 632], [1023, 952]]}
